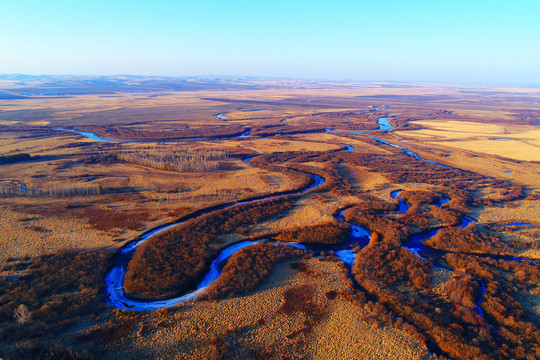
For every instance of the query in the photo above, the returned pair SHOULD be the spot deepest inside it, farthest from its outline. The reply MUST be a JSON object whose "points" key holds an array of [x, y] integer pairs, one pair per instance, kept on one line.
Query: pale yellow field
{"points": [[521, 172], [510, 149], [453, 129], [477, 137], [526, 211]]}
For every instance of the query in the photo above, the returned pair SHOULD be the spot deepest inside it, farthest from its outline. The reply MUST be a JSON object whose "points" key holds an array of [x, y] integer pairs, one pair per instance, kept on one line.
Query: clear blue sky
{"points": [[428, 40]]}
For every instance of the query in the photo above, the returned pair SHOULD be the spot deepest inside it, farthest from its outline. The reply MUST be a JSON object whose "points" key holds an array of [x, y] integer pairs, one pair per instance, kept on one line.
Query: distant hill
{"points": [[51, 85]]}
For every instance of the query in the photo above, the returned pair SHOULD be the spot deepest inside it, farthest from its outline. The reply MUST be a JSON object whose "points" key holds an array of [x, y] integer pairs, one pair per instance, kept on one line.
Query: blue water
{"points": [[221, 116], [20, 183], [408, 152], [245, 133], [384, 124], [443, 201], [93, 136], [403, 206], [503, 139], [466, 221]]}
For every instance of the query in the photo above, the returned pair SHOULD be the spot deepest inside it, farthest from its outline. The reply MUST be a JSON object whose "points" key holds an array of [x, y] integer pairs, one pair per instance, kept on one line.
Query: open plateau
{"points": [[246, 218]]}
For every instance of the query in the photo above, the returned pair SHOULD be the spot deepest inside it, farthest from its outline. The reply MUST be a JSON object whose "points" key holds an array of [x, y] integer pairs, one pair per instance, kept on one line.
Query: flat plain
{"points": [[107, 165]]}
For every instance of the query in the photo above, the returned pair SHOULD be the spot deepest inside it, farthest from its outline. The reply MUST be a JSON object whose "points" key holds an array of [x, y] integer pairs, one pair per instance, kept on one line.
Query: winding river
{"points": [[114, 290], [359, 236], [94, 136]]}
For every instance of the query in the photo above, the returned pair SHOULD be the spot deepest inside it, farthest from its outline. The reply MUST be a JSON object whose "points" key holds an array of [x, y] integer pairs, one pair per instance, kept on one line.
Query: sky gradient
{"points": [[493, 42]]}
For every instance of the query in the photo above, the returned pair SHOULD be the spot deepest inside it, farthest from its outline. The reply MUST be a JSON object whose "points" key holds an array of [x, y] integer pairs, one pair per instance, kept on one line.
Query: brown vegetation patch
{"points": [[469, 240], [106, 219], [388, 265], [331, 295], [330, 233], [418, 197], [391, 230], [301, 300], [58, 291], [504, 281]]}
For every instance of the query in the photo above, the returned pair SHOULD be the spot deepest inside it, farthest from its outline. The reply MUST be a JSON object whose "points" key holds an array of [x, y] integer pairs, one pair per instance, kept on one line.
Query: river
{"points": [[114, 280], [114, 291]]}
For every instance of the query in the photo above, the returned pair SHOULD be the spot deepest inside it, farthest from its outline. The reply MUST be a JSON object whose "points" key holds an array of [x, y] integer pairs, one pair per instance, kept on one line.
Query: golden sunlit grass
{"points": [[509, 149], [478, 137], [311, 210], [275, 145], [491, 165], [253, 323], [525, 210], [31, 235]]}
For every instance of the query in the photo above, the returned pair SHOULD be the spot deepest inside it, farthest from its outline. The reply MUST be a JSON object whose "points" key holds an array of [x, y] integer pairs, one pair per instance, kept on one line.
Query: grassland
{"points": [[519, 142], [493, 181]]}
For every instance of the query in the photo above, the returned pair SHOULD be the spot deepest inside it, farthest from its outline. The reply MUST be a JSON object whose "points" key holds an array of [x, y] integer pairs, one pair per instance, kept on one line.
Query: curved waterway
{"points": [[407, 152], [384, 124], [358, 237], [114, 289], [96, 137], [221, 116], [20, 183]]}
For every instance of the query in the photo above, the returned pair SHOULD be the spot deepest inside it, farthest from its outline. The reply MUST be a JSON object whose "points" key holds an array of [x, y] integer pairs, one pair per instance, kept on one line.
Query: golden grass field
{"points": [[142, 197], [479, 137]]}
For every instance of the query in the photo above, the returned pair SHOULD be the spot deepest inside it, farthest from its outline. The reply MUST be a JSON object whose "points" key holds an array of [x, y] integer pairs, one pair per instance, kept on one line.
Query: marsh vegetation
{"points": [[461, 295]]}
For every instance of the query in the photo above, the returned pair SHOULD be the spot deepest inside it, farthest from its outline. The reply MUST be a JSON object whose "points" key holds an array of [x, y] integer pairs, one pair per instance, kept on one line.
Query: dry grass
{"points": [[75, 222], [476, 136], [521, 172], [23, 235], [452, 129], [252, 325], [439, 278], [310, 210], [525, 211], [510, 149], [275, 145]]}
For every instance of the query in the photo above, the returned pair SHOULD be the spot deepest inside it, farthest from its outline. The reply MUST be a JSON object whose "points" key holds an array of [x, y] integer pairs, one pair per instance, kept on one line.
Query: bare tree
{"points": [[21, 314]]}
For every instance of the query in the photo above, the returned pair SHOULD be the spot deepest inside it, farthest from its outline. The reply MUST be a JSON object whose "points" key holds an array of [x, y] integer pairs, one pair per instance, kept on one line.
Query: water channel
{"points": [[358, 237]]}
